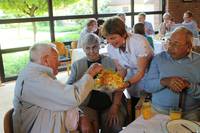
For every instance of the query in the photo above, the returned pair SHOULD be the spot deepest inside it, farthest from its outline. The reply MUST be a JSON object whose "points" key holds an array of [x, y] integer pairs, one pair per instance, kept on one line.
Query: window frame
{"points": [[50, 18]]}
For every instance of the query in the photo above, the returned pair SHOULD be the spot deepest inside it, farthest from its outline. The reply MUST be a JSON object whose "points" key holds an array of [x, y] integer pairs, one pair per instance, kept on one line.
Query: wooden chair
{"points": [[64, 56], [8, 123]]}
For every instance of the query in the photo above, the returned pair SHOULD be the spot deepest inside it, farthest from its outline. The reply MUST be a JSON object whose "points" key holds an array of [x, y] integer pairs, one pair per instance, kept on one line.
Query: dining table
{"points": [[160, 123], [156, 124]]}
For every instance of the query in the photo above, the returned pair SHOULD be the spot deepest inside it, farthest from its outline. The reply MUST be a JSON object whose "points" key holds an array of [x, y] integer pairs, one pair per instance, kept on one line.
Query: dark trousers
{"points": [[134, 101]]}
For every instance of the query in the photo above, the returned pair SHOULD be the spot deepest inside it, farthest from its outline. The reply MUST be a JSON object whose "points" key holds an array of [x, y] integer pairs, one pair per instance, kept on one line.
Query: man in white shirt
{"points": [[147, 25], [41, 102]]}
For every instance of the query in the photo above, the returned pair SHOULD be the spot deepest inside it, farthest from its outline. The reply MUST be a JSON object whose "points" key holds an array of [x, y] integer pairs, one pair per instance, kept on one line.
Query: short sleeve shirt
{"points": [[136, 46]]}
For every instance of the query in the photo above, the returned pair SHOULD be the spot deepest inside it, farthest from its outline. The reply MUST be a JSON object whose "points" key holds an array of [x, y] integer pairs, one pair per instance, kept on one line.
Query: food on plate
{"points": [[109, 79]]}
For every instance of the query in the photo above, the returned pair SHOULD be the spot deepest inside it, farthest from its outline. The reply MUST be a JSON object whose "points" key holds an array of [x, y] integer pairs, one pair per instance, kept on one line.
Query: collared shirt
{"points": [[148, 26], [192, 26], [136, 46], [164, 66]]}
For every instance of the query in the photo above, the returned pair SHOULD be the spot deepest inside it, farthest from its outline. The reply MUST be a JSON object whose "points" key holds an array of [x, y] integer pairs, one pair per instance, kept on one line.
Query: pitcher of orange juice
{"points": [[146, 110]]}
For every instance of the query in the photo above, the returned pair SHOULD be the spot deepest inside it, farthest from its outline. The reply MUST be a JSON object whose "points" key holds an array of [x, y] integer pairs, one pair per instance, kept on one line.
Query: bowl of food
{"points": [[108, 80]]}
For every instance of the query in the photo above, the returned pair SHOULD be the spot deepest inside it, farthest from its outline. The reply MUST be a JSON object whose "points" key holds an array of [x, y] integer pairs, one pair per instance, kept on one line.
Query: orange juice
{"points": [[174, 115], [146, 110]]}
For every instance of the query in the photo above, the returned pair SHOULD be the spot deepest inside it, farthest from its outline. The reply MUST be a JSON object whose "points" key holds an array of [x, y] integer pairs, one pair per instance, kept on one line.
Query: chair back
{"points": [[61, 48], [8, 123]]}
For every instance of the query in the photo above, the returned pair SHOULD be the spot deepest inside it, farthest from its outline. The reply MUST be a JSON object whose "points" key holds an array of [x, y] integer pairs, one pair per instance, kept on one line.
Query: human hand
{"points": [[94, 69], [112, 118], [122, 72], [175, 83], [85, 125]]}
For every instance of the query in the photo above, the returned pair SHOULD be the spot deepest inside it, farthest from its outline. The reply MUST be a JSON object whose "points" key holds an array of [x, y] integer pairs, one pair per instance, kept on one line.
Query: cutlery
{"points": [[187, 128], [196, 123]]}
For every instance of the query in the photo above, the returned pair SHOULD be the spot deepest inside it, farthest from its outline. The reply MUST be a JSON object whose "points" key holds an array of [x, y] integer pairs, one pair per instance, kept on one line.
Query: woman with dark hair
{"points": [[139, 29]]}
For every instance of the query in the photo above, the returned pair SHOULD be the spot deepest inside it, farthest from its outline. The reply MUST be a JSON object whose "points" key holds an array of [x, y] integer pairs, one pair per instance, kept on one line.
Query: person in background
{"points": [[148, 26], [90, 27], [131, 53], [139, 29], [122, 16], [188, 19], [41, 103], [98, 31], [165, 26], [105, 106], [174, 73]]}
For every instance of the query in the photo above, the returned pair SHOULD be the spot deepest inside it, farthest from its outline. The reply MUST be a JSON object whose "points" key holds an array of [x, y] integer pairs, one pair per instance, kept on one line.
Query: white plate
{"points": [[180, 126]]}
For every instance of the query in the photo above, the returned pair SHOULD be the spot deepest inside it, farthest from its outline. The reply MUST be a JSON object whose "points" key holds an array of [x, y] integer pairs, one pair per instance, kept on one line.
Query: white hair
{"points": [[89, 39], [39, 50]]}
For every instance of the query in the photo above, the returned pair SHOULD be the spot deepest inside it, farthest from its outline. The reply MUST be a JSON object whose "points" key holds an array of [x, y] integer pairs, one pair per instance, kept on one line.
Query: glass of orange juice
{"points": [[146, 110], [175, 113]]}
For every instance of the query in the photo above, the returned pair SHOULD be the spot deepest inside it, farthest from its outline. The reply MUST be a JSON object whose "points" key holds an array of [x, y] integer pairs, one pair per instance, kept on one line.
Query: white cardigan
{"points": [[41, 102]]}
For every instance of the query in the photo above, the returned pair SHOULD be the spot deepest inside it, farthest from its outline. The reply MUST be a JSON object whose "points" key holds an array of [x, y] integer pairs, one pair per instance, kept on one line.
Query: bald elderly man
{"points": [[174, 74], [41, 103]]}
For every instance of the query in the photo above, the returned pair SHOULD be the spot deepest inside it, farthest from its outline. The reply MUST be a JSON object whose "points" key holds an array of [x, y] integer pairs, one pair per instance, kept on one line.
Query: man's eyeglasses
{"points": [[174, 44]]}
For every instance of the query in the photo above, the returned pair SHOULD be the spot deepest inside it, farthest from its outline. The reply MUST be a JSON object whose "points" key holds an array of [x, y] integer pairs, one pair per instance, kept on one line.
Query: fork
{"points": [[187, 128]]}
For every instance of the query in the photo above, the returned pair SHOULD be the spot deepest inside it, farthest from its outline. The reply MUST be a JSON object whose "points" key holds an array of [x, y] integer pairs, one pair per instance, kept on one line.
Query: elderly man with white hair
{"points": [[41, 103]]}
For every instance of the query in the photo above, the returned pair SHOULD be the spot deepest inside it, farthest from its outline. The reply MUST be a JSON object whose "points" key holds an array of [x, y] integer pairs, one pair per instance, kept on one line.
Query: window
{"points": [[80, 7], [113, 6], [14, 62], [155, 20], [23, 34], [21, 28], [26, 9], [69, 30], [147, 5]]}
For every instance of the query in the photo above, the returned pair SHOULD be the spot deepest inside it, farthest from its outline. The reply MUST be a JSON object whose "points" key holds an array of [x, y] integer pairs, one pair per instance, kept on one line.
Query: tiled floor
{"points": [[6, 96]]}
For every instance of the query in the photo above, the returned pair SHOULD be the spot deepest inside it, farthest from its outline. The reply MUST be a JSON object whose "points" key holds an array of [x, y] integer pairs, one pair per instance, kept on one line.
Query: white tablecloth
{"points": [[157, 124], [158, 46]]}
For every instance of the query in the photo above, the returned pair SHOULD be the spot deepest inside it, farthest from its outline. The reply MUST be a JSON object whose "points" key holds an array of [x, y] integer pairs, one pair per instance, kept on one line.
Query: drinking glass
{"points": [[146, 110], [175, 113]]}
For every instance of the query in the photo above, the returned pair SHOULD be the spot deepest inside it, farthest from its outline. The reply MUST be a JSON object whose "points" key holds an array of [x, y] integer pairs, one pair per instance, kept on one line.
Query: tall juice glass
{"points": [[146, 110]]}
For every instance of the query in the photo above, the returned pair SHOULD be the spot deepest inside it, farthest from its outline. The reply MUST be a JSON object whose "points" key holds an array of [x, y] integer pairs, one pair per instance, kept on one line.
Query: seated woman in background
{"points": [[165, 26], [90, 27], [139, 29], [106, 106]]}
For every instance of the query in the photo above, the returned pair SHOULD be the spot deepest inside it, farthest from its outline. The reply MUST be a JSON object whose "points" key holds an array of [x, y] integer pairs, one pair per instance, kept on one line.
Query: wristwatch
{"points": [[129, 83]]}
